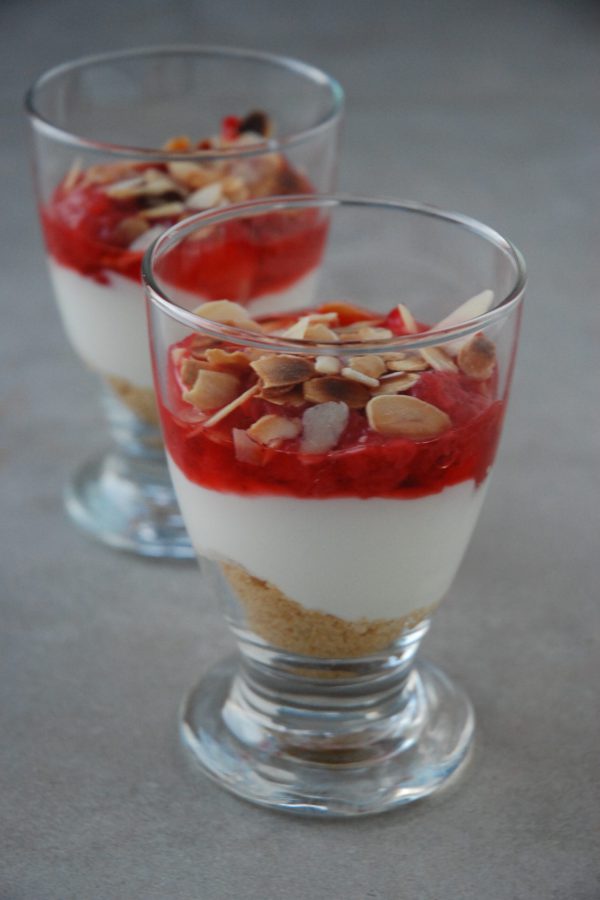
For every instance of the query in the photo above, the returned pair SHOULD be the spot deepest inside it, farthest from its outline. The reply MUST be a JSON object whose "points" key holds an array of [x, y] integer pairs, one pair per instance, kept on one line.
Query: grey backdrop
{"points": [[489, 108]]}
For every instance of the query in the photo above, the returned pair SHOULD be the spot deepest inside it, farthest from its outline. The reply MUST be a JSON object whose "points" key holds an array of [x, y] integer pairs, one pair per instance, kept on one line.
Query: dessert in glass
{"points": [[126, 145], [330, 463]]}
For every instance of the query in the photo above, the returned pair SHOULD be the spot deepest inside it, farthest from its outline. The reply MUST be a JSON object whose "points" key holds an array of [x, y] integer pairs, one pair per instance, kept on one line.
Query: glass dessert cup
{"points": [[125, 145], [330, 464]]}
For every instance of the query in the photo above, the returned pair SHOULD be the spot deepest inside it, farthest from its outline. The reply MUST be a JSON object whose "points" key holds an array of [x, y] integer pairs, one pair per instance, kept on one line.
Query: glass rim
{"points": [[433, 337], [271, 145]]}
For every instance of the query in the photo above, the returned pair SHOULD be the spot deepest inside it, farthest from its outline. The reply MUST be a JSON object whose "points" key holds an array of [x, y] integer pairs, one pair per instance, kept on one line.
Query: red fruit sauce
{"points": [[241, 260], [363, 464]]}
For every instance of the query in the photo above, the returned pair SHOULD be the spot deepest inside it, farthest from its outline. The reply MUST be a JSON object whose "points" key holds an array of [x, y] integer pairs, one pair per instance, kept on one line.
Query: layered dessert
{"points": [[337, 490], [100, 220]]}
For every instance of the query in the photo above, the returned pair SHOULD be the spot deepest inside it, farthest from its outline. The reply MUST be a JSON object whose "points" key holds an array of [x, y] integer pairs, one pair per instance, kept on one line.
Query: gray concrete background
{"points": [[489, 108]]}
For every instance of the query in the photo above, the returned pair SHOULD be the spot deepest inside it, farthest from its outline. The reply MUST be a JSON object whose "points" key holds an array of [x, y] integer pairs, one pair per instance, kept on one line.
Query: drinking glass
{"points": [[123, 149], [330, 459]]}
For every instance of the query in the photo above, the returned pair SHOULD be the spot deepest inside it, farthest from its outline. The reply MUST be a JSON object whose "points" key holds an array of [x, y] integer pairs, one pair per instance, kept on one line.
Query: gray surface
{"points": [[490, 108]]}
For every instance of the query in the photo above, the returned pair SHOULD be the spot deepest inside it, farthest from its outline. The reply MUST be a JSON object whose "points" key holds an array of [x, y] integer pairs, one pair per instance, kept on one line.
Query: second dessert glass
{"points": [[330, 460], [127, 144]]}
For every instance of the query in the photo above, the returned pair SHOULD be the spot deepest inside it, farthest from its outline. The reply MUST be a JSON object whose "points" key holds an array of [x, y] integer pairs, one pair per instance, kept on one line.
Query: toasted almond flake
{"points": [[368, 365], [226, 410], [206, 197], [408, 364], [282, 371], [162, 211], [331, 387], [148, 237], [298, 331], [470, 309], [393, 357], [477, 357], [407, 319], [246, 450], [374, 334], [406, 417], [130, 229], [360, 377], [272, 429], [217, 357], [189, 370], [316, 331], [227, 313], [182, 170], [291, 396], [327, 365], [234, 188], [438, 359], [73, 174], [130, 187], [180, 143], [396, 383], [212, 389], [322, 426]]}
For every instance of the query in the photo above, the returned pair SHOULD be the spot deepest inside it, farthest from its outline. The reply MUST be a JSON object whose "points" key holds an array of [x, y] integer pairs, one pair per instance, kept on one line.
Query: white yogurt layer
{"points": [[353, 558], [106, 323]]}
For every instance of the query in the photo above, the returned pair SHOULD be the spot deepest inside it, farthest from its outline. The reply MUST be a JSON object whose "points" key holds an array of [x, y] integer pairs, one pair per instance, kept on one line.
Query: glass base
{"points": [[329, 748], [128, 503]]}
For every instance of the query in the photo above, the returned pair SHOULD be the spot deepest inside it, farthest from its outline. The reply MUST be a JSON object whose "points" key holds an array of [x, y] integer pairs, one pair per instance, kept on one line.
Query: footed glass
{"points": [[330, 453], [125, 145]]}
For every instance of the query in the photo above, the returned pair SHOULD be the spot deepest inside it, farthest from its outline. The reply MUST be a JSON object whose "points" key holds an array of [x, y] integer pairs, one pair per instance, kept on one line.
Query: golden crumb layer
{"points": [[141, 401], [289, 626]]}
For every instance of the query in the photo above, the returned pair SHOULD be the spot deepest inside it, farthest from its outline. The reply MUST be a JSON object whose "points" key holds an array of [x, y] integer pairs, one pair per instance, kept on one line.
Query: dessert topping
{"points": [[212, 389], [272, 430], [477, 357], [283, 371], [406, 417], [322, 426]]}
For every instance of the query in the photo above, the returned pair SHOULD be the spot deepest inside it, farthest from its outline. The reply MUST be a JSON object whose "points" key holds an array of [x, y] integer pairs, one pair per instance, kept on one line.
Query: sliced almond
{"points": [[141, 243], [72, 176], [331, 387], [212, 389], [408, 320], [322, 427], [272, 429], [327, 365], [291, 396], [226, 410], [368, 365], [180, 143], [129, 187], [217, 357], [246, 450], [393, 357], [227, 313], [408, 364], [235, 189], [282, 371], [360, 377], [163, 211], [406, 417], [438, 359], [206, 197], [317, 331], [470, 309], [396, 383], [189, 370], [298, 331], [477, 357], [152, 183], [129, 229], [366, 333]]}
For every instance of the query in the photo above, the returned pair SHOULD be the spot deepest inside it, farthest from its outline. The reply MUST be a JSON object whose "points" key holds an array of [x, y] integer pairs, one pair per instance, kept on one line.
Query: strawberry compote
{"points": [[100, 220]]}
